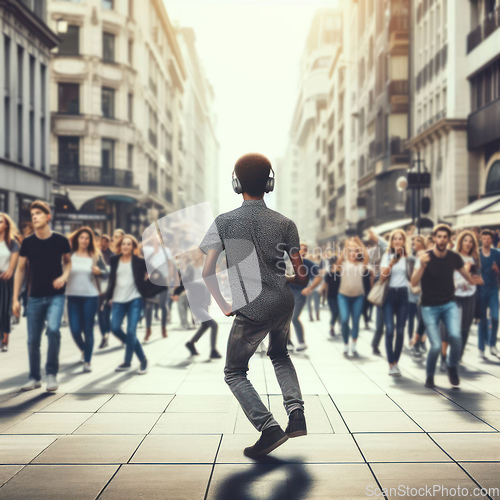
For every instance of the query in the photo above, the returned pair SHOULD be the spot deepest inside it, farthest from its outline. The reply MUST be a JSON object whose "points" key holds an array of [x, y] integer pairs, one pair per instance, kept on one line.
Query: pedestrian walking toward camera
{"points": [[331, 285], [83, 290], [397, 267], [9, 255], [46, 252], [465, 293], [488, 294], [267, 235], [314, 297], [199, 298], [435, 271], [104, 310], [128, 287], [352, 266], [300, 295]]}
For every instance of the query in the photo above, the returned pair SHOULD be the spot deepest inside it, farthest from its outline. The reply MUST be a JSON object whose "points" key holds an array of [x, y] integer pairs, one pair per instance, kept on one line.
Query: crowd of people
{"points": [[431, 287], [91, 279]]}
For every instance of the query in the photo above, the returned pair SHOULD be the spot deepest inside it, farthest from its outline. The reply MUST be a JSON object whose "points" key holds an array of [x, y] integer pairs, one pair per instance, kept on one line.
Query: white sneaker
{"points": [[4, 348], [346, 349], [301, 347], [86, 368], [52, 384], [394, 371], [493, 350], [32, 384], [481, 354], [354, 348]]}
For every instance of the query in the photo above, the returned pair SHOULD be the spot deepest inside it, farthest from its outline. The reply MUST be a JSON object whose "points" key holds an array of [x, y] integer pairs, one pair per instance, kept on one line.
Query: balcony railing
{"points": [[398, 87], [92, 176], [483, 125], [474, 38]]}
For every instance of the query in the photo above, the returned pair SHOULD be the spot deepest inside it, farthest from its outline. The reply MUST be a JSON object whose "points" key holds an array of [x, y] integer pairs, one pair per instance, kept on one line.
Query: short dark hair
{"points": [[41, 205], [441, 227], [487, 232], [253, 170]]}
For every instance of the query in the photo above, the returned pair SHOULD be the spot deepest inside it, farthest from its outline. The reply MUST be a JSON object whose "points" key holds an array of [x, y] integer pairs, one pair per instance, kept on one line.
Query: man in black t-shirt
{"points": [[45, 251], [434, 271]]}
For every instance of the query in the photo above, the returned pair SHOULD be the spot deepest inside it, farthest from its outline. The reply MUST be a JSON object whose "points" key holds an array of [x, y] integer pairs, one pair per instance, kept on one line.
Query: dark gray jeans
{"points": [[244, 338]]}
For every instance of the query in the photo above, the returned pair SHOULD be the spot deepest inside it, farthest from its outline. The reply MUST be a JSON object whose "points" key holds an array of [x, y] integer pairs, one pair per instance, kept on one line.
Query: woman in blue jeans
{"points": [[352, 266], [396, 267], [128, 287], [82, 290]]}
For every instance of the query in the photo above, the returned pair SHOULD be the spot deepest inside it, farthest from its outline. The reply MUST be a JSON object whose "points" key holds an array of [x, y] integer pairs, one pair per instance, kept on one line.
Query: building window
{"points": [[107, 4], [20, 61], [108, 47], [493, 180], [69, 98], [32, 139], [69, 152], [20, 133], [130, 156], [43, 108], [6, 122], [6, 60], [108, 154], [130, 108], [32, 81], [108, 102], [70, 41]]}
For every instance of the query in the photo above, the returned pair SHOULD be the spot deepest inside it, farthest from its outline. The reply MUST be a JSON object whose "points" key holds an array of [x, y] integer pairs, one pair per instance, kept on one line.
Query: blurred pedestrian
{"points": [[46, 251], [9, 255], [83, 290]]}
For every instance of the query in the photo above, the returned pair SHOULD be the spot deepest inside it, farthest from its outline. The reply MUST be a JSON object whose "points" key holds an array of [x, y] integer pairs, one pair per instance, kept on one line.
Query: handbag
{"points": [[379, 292]]}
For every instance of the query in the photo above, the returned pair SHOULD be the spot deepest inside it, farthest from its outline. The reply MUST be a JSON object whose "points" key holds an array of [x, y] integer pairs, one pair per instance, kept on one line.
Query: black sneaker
{"points": [[192, 348], [376, 350], [453, 376], [296, 424], [269, 440], [423, 346], [429, 382], [215, 354], [416, 351], [123, 367], [144, 367]]}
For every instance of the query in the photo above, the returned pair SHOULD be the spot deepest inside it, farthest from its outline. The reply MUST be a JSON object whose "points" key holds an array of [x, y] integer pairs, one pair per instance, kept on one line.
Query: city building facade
{"points": [[25, 45], [117, 84], [200, 172]]}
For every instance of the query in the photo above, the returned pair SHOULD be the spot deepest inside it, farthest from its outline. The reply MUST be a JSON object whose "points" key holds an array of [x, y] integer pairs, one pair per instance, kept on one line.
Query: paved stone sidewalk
{"points": [[178, 433]]}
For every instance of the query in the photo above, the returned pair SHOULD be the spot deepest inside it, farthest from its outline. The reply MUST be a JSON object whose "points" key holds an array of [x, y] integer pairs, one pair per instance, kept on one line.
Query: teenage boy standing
{"points": [[253, 231], [45, 251], [435, 269]]}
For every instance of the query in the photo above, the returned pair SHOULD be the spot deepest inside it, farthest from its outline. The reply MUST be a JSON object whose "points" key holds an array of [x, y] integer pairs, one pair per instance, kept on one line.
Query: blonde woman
{"points": [[9, 255], [352, 266], [465, 293], [395, 267]]}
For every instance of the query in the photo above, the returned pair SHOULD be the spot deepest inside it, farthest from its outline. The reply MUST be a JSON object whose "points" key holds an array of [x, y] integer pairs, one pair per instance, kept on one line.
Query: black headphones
{"points": [[238, 188]]}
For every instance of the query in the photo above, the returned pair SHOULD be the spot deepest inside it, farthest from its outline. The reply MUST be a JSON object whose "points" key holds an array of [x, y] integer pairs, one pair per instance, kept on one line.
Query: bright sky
{"points": [[251, 51]]}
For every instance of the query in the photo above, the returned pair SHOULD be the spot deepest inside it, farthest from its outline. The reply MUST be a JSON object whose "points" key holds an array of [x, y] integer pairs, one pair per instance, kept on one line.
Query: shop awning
{"points": [[482, 212], [393, 224]]}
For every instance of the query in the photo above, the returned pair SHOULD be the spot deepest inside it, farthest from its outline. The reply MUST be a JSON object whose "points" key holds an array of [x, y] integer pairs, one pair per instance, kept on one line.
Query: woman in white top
{"points": [[128, 286], [395, 266], [83, 292], [9, 255], [465, 293], [352, 266]]}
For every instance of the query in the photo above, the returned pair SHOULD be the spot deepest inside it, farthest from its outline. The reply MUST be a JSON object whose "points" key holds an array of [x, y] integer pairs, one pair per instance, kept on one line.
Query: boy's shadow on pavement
{"points": [[295, 487]]}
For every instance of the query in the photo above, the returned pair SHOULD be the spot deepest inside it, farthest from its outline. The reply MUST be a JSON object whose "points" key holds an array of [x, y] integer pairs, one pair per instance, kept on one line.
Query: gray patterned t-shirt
{"points": [[255, 239]]}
